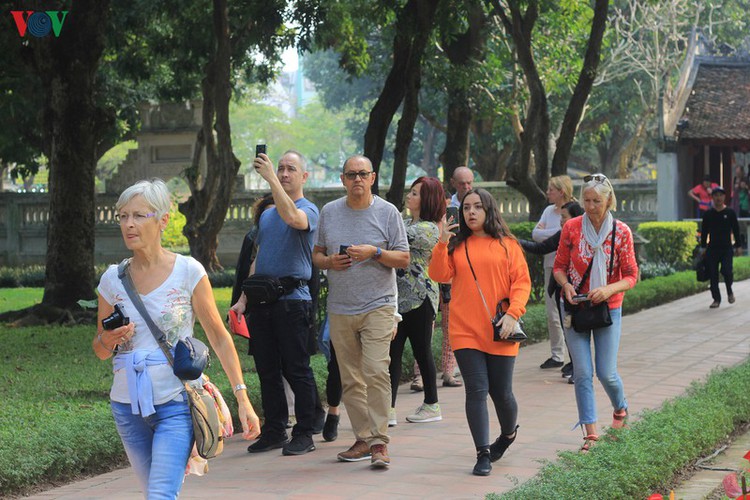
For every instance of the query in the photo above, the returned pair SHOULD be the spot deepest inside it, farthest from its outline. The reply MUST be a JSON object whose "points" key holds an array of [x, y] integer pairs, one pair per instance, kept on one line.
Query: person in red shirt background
{"points": [[584, 241], [702, 195]]}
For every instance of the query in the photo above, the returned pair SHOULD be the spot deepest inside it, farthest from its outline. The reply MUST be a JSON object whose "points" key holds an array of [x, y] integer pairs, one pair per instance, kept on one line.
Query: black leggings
{"points": [[333, 382], [417, 327], [487, 373]]}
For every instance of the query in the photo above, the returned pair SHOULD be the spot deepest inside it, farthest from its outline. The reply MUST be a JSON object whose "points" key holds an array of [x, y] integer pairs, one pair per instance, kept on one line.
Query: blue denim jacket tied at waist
{"points": [[139, 381]]}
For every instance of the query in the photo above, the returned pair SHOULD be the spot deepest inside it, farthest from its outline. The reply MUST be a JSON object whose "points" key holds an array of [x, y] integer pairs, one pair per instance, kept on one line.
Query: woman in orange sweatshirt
{"points": [[485, 244]]}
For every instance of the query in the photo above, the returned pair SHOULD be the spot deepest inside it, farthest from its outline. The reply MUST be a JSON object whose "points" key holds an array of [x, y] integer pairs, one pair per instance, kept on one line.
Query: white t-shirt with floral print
{"points": [[170, 307]]}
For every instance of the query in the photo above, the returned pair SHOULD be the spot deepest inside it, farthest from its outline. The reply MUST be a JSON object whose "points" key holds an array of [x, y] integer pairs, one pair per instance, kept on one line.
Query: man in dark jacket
{"points": [[719, 223]]}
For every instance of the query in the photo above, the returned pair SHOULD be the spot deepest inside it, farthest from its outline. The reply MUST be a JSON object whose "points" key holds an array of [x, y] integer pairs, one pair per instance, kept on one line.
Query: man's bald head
{"points": [[462, 180]]}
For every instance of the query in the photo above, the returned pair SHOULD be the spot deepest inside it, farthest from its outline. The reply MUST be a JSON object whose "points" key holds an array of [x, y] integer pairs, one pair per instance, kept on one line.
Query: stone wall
{"points": [[24, 217]]}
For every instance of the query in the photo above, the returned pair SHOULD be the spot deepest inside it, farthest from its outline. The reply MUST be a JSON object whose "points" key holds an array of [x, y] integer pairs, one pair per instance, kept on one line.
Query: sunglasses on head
{"points": [[353, 175], [600, 178]]}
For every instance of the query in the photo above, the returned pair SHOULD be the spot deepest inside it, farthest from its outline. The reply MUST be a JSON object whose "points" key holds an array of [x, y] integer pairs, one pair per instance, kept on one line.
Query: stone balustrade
{"points": [[24, 218]]}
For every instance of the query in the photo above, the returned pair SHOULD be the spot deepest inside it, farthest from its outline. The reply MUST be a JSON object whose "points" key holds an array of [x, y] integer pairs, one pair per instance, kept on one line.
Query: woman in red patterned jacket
{"points": [[589, 263]]}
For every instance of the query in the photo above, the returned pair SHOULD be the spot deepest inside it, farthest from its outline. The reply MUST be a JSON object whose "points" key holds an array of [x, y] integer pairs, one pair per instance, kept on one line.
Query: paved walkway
{"points": [[663, 350]]}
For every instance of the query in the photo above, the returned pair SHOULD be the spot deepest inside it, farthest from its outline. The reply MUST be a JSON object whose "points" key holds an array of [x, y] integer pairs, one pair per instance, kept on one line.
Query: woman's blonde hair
{"points": [[154, 191], [564, 184], [603, 186]]}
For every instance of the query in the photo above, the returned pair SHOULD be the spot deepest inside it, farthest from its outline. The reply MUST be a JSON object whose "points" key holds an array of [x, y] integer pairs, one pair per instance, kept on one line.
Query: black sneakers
{"points": [[551, 363], [497, 449], [299, 445], [331, 428], [263, 444], [567, 370], [483, 466]]}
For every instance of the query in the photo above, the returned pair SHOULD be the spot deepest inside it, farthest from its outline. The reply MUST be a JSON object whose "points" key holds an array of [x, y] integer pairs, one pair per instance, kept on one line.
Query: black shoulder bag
{"points": [[518, 334], [587, 316]]}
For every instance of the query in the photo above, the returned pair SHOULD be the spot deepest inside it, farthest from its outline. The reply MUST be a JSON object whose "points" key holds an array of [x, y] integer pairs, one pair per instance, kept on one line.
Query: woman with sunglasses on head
{"points": [[148, 401], [486, 265], [418, 297], [596, 258]]}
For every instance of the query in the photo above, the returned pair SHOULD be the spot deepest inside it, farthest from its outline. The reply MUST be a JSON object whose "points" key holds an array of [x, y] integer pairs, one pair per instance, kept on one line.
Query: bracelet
{"points": [[240, 387], [113, 351]]}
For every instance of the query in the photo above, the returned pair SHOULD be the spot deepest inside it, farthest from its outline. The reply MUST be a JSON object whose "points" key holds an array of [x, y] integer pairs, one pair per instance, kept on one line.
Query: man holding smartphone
{"points": [[281, 330], [361, 240]]}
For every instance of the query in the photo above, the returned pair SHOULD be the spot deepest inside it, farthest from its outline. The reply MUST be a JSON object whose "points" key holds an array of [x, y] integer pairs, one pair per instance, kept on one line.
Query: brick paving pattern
{"points": [[663, 350]]}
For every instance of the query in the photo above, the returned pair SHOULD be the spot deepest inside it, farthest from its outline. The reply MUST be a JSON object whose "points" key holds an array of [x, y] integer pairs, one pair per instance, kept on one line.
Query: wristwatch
{"points": [[378, 253], [240, 387]]}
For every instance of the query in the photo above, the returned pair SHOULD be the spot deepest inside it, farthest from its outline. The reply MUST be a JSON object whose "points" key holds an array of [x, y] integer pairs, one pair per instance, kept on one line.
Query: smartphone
{"points": [[260, 148], [342, 249], [451, 217], [581, 297]]}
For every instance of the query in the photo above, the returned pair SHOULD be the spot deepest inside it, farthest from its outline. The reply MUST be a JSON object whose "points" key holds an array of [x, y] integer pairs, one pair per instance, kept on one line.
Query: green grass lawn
{"points": [[13, 299]]}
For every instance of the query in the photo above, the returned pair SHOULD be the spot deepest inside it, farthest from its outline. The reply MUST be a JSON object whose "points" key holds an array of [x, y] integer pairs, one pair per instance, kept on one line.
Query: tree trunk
{"points": [[428, 164], [207, 206], [528, 169], [582, 89], [463, 51], [67, 67], [489, 161], [610, 150], [456, 151], [632, 151], [413, 27], [413, 81]]}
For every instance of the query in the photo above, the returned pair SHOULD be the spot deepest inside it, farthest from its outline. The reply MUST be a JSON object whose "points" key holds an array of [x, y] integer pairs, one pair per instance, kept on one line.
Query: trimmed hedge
{"points": [[33, 276], [646, 457], [665, 289], [670, 243]]}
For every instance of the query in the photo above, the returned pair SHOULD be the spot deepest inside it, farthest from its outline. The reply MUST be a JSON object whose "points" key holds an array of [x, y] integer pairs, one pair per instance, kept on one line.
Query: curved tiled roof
{"points": [[719, 104]]}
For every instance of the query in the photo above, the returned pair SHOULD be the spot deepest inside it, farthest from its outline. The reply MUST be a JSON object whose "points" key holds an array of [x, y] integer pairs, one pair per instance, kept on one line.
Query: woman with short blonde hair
{"points": [[148, 402], [596, 263], [559, 192]]}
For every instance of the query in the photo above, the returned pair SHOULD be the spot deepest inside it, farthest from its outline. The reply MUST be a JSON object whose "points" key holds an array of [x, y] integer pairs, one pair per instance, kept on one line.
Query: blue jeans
{"points": [[158, 446], [606, 345]]}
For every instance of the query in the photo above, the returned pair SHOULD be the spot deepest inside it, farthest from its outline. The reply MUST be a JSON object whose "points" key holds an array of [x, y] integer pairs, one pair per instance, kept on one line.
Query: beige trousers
{"points": [[362, 344]]}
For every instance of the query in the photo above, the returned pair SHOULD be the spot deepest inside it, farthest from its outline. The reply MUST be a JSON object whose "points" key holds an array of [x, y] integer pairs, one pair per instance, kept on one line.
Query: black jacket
{"points": [[541, 248]]}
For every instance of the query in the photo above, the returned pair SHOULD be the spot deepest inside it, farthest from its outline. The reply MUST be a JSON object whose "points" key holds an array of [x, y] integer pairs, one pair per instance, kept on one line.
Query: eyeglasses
{"points": [[600, 178], [353, 175], [138, 219]]}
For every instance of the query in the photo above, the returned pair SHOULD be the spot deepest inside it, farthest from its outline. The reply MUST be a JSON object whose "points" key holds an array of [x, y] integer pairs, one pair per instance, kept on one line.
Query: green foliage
{"points": [[653, 269], [670, 242], [11, 277], [657, 446], [31, 276], [172, 238], [112, 159], [322, 136], [522, 231]]}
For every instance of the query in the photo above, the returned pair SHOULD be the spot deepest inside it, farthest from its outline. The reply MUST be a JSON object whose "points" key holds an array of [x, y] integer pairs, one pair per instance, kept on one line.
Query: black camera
{"points": [[116, 319]]}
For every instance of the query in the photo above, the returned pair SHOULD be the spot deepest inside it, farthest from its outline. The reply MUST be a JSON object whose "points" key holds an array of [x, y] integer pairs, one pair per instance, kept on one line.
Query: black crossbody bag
{"points": [[587, 316], [518, 334]]}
